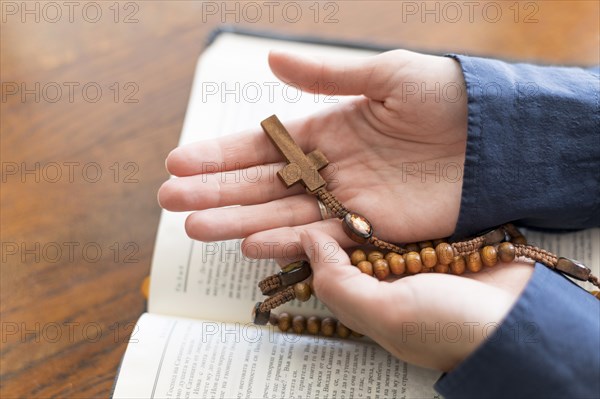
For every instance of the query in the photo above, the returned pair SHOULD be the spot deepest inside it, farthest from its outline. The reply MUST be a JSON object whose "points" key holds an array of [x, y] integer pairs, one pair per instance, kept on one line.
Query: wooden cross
{"points": [[300, 167]]}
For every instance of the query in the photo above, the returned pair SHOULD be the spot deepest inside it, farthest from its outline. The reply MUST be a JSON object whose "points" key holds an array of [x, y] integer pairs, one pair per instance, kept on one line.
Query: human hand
{"points": [[374, 143], [370, 140], [433, 320]]}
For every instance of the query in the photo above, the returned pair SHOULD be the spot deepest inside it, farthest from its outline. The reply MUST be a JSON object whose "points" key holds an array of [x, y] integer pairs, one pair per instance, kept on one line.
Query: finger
{"points": [[283, 262], [348, 293], [255, 185], [333, 77], [238, 222], [231, 152], [512, 277], [284, 242]]}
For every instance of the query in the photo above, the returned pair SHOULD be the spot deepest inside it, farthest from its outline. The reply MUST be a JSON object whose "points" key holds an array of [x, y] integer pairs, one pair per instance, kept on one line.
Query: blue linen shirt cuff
{"points": [[531, 130], [547, 346]]}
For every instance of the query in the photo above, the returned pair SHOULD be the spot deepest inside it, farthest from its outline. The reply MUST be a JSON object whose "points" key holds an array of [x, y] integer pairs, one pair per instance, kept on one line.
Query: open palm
{"points": [[396, 154]]}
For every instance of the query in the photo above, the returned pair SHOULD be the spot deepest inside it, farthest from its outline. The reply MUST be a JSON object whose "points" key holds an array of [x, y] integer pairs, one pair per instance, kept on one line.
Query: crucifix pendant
{"points": [[300, 167], [305, 169]]}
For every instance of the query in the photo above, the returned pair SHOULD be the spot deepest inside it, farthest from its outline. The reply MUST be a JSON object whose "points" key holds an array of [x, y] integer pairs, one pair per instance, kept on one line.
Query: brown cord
{"points": [[331, 202], [546, 258], [467, 247], [278, 299], [273, 283], [461, 248], [537, 254], [594, 280], [339, 210], [269, 284], [386, 245]]}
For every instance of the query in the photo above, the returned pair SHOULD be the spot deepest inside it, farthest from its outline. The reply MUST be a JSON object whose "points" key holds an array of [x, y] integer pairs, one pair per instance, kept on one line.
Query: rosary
{"points": [[502, 244]]}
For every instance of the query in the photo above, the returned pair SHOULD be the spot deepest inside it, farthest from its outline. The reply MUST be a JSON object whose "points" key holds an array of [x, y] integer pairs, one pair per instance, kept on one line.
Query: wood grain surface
{"points": [[80, 170]]}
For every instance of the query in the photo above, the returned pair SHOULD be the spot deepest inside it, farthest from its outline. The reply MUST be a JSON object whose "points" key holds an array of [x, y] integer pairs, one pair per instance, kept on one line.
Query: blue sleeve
{"points": [[533, 147], [532, 157], [548, 346]]}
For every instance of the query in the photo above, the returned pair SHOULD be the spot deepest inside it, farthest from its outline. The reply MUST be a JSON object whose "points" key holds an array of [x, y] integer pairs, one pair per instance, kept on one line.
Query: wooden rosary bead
{"points": [[358, 255], [389, 255], [285, 322], [365, 267], [437, 242], [425, 244], [494, 237], [413, 262], [439, 268], [356, 334], [445, 253], [313, 325], [474, 263], [299, 324], [520, 240], [506, 252], [428, 257], [341, 330], [260, 317], [458, 265], [374, 255], [357, 227], [516, 237], [573, 268], [412, 247], [396, 263], [328, 326], [302, 291], [489, 256], [381, 269]]}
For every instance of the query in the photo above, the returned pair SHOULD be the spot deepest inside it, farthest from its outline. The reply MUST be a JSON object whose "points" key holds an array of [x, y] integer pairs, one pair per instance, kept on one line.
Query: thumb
{"points": [[348, 293], [331, 77]]}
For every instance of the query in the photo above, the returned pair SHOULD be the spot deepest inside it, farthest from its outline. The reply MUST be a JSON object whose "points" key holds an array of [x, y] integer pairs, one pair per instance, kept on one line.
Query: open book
{"points": [[197, 339]]}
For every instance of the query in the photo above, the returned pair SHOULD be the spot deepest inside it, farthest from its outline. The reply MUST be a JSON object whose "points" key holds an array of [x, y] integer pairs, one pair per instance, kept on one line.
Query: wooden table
{"points": [[80, 168]]}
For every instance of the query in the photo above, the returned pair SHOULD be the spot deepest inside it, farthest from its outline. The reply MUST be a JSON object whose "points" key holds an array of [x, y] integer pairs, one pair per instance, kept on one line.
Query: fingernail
{"points": [[167, 160]]}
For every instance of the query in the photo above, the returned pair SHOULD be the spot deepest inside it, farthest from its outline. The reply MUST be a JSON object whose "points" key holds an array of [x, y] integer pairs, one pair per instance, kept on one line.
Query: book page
{"points": [[233, 90], [185, 358]]}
